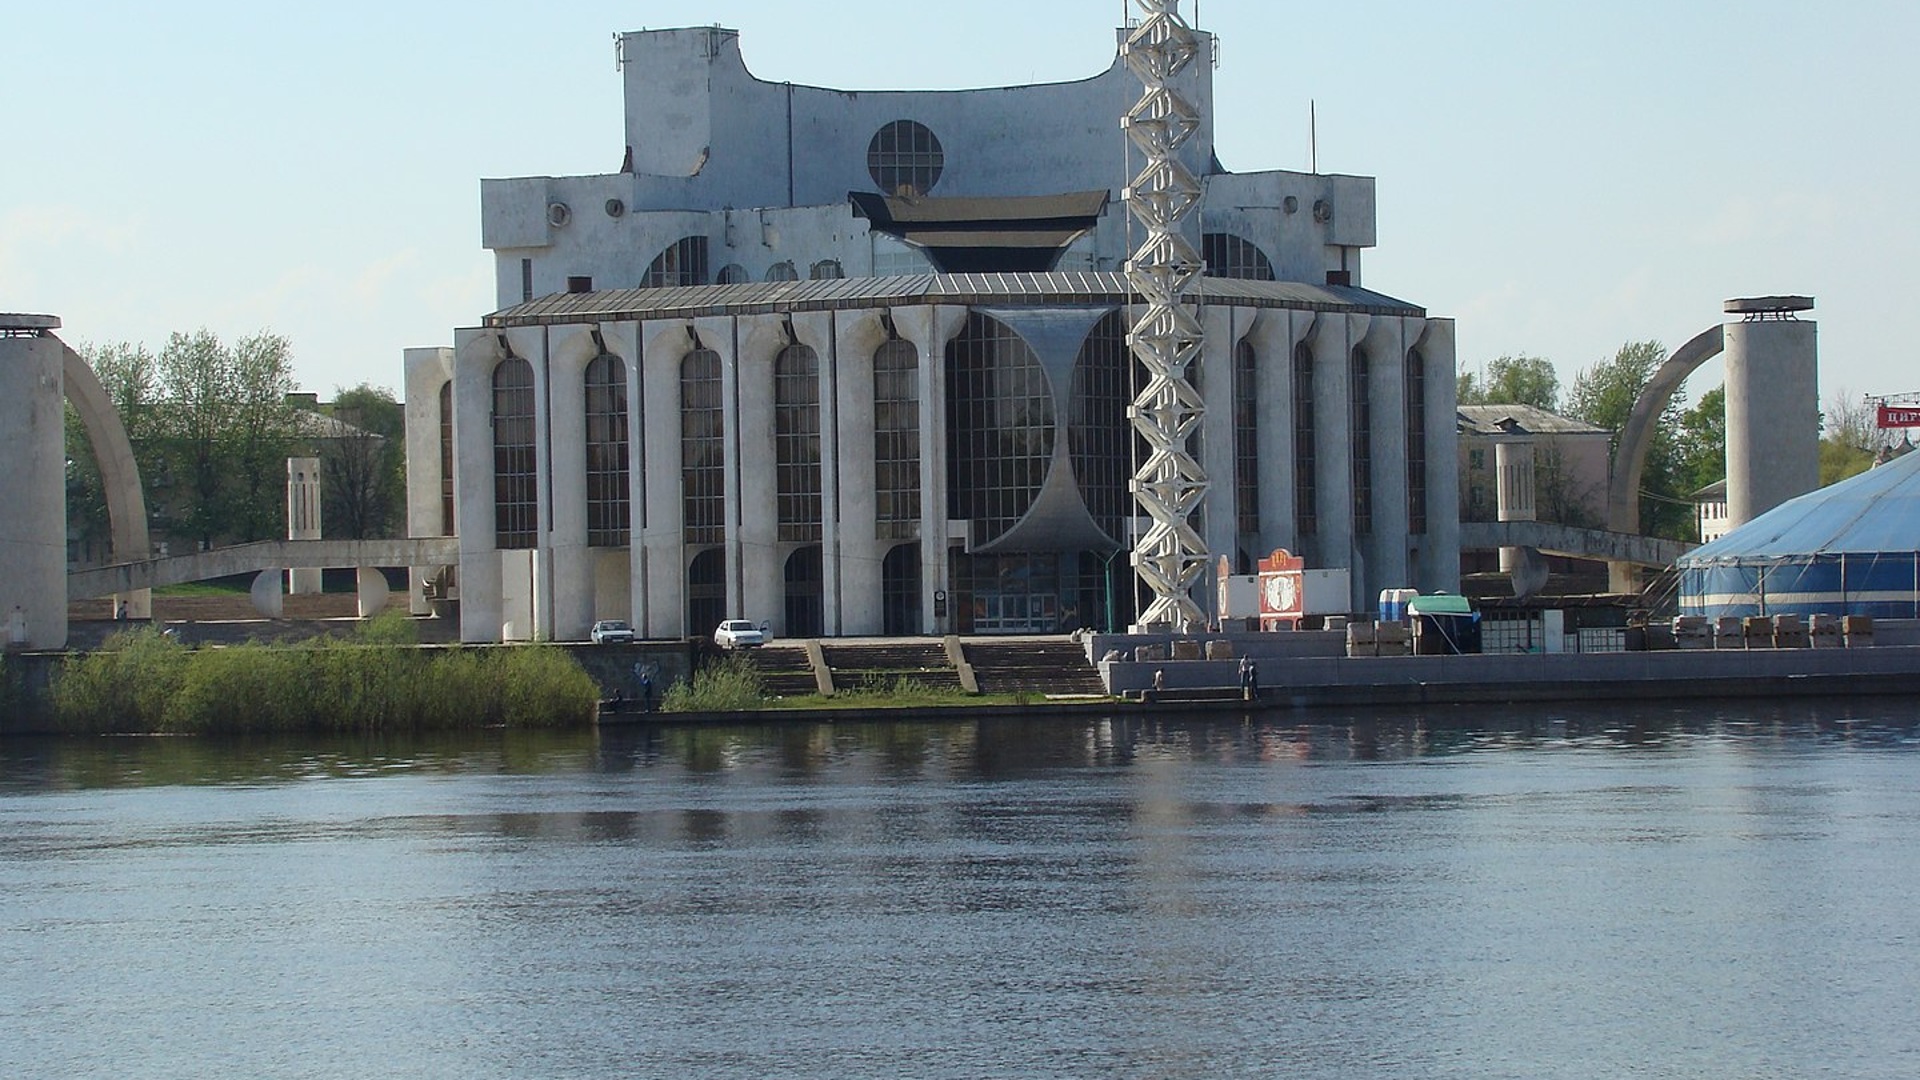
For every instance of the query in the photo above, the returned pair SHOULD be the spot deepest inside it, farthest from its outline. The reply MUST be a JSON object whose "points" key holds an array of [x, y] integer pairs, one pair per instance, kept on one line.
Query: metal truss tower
{"points": [[1166, 336]]}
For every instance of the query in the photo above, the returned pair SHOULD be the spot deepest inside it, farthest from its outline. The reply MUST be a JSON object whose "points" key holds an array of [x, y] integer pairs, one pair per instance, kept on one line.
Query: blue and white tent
{"points": [[1849, 549]]}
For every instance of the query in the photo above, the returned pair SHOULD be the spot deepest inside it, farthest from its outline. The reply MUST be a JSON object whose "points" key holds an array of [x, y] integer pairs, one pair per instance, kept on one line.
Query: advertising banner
{"points": [[1899, 416]]}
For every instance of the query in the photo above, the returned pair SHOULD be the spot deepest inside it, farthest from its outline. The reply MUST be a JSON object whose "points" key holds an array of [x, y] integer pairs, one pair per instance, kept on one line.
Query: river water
{"points": [[1719, 892]]}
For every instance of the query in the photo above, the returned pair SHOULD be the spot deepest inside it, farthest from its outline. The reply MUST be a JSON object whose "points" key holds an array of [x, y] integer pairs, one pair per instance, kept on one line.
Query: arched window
{"points": [[1230, 256], [447, 526], [703, 473], [684, 262], [1360, 414], [805, 592], [1000, 426], [1306, 486], [1246, 440], [896, 440], [706, 591], [904, 158], [609, 505], [733, 274], [1098, 433], [796, 442], [900, 590], [782, 271], [516, 492], [1416, 442], [826, 270]]}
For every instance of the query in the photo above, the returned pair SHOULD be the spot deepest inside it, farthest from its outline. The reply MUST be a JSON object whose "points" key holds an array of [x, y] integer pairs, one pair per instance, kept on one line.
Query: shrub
{"points": [[730, 685]]}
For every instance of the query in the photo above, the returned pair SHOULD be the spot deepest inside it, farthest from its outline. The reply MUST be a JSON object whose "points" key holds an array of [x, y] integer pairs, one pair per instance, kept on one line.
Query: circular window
{"points": [[905, 159]]}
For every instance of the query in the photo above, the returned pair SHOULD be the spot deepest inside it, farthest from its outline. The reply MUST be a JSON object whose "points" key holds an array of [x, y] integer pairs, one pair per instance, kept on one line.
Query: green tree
{"points": [[1849, 437], [1513, 380], [363, 470], [1604, 395], [1701, 442]]}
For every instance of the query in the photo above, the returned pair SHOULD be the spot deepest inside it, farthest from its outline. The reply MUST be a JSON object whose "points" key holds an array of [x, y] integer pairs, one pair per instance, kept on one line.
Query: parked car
{"points": [[738, 634], [611, 632]]}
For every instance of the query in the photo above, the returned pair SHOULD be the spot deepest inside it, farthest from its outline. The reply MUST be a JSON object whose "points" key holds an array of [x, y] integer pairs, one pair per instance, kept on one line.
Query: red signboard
{"points": [[1899, 416], [1282, 595]]}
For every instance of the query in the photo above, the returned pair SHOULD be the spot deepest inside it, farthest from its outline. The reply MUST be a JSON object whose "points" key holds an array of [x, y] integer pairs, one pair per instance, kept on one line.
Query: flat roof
{"points": [[1059, 289]]}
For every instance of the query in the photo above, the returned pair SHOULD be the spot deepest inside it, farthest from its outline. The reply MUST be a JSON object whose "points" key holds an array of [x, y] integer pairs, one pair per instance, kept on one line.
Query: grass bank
{"points": [[733, 685], [379, 681]]}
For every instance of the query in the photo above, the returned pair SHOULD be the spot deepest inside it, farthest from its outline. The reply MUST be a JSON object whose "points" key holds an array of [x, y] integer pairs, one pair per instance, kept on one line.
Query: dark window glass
{"points": [[900, 590], [796, 442], [805, 592], [1246, 440], [1099, 437], [1360, 411], [733, 274], [782, 271], [609, 505], [896, 440], [706, 591], [904, 158], [516, 494], [1230, 256], [684, 262], [1416, 443], [1000, 426], [703, 472], [1306, 487], [446, 460], [826, 270]]}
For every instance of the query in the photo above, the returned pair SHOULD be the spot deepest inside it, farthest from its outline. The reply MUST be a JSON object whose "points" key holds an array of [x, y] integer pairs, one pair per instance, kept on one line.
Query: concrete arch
{"points": [[119, 472], [1630, 460]]}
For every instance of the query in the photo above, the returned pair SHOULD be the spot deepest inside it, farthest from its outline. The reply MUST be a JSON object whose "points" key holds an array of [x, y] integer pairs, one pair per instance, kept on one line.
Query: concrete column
{"points": [[858, 552], [660, 569], [1436, 564], [930, 327], [569, 349], [1223, 325], [303, 519], [1513, 491], [425, 371], [815, 330], [476, 353], [1387, 548], [1274, 334], [1773, 409], [33, 486]]}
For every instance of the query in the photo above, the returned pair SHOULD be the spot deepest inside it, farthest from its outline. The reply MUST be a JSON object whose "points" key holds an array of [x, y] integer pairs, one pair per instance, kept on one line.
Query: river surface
{"points": [[1727, 891]]}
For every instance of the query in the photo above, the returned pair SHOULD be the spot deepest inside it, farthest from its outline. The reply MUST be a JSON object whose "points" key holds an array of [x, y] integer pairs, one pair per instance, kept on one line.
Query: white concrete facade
{"points": [[1017, 449], [33, 488]]}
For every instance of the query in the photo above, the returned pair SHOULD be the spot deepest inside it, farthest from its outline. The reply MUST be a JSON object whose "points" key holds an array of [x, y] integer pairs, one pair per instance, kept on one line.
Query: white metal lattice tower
{"points": [[1167, 336]]}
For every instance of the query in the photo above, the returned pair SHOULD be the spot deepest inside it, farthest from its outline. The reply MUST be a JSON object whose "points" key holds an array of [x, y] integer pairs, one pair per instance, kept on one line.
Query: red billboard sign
{"points": [[1281, 592], [1899, 416]]}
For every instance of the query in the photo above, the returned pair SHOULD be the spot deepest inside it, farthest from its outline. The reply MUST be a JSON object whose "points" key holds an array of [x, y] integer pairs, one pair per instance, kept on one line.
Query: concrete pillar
{"points": [[33, 486], [1773, 406], [426, 372], [1513, 490], [303, 519]]}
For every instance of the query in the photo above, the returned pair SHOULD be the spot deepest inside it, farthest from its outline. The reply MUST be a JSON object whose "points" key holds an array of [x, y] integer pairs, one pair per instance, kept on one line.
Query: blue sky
{"points": [[1558, 177]]}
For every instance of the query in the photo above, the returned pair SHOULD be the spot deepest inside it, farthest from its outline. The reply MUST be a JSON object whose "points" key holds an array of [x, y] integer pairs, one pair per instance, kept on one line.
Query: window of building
{"points": [[733, 274], [1306, 484], [1360, 419], [706, 591], [900, 590], [796, 442], [1099, 436], [516, 501], [782, 271], [684, 262], [703, 469], [609, 504], [826, 270], [1246, 440], [805, 593], [447, 527], [896, 440], [1416, 442], [1230, 256], [1000, 426], [579, 283], [526, 279], [904, 158]]}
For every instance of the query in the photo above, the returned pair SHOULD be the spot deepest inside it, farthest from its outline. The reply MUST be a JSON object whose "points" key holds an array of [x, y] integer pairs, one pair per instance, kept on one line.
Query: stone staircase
{"points": [[857, 664], [1034, 666], [784, 668]]}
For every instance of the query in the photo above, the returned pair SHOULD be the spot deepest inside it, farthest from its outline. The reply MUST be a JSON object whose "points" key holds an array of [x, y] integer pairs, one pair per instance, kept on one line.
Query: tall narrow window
{"points": [[609, 506], [516, 500], [900, 590], [896, 440], [796, 442], [706, 591], [1099, 438], [1306, 488], [1246, 440], [1360, 413], [1000, 426], [446, 460], [703, 474], [1416, 443], [805, 606]]}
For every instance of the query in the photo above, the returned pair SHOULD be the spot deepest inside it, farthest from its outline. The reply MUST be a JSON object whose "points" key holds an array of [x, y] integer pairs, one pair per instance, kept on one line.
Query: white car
{"points": [[738, 634], [611, 632]]}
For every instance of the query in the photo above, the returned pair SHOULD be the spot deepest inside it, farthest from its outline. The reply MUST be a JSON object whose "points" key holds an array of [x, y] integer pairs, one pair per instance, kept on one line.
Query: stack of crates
{"points": [[1692, 632], [1789, 632], [1823, 631], [1360, 639], [1393, 639]]}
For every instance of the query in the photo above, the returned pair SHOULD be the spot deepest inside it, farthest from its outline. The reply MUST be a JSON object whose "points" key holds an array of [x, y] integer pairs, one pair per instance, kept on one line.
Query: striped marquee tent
{"points": [[1849, 549]]}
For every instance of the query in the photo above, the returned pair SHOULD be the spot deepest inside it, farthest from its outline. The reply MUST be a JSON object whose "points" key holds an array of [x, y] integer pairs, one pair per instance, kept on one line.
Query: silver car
{"points": [[611, 632]]}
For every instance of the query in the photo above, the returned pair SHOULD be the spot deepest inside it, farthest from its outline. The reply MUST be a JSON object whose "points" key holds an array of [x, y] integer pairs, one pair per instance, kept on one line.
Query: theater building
{"points": [[856, 363]]}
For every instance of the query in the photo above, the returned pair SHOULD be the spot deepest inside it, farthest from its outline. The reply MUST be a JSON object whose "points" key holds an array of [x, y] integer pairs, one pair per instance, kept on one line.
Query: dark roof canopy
{"points": [[1023, 234]]}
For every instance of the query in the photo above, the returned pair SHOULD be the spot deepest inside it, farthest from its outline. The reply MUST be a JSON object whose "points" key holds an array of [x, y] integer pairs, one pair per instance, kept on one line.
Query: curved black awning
{"points": [[1015, 234]]}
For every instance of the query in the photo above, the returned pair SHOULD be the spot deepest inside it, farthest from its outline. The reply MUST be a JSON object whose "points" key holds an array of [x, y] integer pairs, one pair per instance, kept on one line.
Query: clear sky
{"points": [[1559, 177]]}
